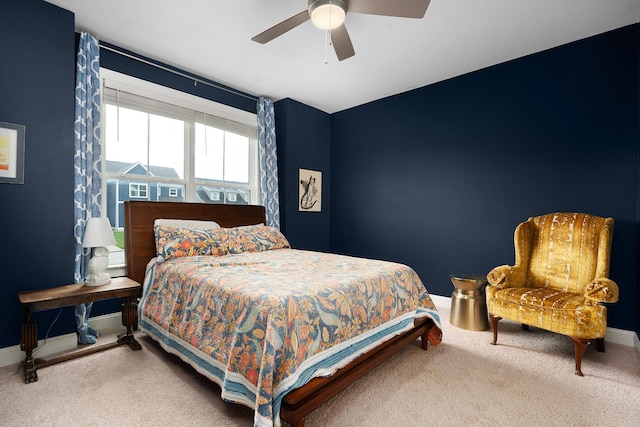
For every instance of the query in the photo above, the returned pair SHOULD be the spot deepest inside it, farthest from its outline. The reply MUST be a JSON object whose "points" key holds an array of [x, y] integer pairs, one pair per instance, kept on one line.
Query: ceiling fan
{"points": [[330, 14]]}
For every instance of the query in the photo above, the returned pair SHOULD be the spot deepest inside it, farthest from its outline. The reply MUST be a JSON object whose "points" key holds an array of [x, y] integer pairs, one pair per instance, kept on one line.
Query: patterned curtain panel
{"points": [[268, 161], [86, 163]]}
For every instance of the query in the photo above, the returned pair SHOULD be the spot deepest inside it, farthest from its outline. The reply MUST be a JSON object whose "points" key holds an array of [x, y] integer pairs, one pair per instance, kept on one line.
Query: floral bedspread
{"points": [[264, 323]]}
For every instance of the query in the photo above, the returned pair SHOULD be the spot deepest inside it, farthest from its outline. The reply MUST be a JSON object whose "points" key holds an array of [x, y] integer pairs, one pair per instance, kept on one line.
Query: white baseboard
{"points": [[441, 302], [614, 335], [13, 355]]}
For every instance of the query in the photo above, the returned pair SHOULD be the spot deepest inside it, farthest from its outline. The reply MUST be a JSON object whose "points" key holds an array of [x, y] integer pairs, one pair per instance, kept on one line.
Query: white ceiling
{"points": [[212, 38]]}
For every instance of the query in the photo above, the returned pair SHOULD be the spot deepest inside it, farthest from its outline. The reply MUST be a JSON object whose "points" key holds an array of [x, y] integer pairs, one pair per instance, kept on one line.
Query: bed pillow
{"points": [[180, 242], [256, 238], [187, 223]]}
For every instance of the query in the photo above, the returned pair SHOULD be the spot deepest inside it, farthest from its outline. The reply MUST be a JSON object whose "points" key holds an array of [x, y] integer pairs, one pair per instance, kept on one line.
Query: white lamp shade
{"points": [[327, 15], [98, 233]]}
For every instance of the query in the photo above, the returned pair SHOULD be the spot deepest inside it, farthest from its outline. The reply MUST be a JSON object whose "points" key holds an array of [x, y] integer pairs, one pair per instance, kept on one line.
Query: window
{"points": [[137, 190], [165, 145]]}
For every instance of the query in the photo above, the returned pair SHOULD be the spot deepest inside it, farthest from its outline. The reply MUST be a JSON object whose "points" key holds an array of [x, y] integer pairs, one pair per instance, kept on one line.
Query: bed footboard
{"points": [[300, 402]]}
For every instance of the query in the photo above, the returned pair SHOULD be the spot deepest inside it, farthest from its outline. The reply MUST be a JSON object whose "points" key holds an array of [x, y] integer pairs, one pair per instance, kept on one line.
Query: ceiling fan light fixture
{"points": [[327, 14]]}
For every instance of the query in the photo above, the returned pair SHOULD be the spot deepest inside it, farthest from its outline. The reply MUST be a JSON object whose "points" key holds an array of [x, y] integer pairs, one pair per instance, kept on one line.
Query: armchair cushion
{"points": [[566, 313]]}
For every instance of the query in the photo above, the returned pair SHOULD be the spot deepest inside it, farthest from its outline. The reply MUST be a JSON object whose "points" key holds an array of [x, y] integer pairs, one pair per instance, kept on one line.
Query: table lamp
{"points": [[97, 235]]}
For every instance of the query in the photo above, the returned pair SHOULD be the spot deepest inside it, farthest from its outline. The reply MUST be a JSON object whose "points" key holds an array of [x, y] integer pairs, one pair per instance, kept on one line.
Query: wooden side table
{"points": [[120, 287]]}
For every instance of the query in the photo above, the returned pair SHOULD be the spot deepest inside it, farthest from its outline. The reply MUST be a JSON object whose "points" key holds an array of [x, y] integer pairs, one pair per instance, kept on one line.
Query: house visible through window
{"points": [[165, 145]]}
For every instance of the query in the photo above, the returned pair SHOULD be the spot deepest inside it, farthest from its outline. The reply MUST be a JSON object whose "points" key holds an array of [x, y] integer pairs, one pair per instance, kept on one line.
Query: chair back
{"points": [[568, 250]]}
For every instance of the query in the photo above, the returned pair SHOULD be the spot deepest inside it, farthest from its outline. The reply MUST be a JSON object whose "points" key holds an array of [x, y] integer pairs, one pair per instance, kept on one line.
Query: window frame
{"points": [[215, 114]]}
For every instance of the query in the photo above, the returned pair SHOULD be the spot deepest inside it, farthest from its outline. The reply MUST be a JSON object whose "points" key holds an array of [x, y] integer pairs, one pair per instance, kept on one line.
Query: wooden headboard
{"points": [[139, 217]]}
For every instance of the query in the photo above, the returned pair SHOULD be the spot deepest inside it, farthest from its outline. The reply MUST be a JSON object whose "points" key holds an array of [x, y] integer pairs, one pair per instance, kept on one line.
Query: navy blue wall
{"points": [[37, 42], [303, 138], [439, 182], [439, 177]]}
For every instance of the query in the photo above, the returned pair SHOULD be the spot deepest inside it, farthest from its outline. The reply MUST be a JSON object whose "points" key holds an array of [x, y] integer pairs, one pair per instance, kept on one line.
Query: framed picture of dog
{"points": [[310, 194]]}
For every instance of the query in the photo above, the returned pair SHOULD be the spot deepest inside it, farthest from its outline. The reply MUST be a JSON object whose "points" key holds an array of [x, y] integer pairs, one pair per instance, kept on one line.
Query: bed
{"points": [[279, 329]]}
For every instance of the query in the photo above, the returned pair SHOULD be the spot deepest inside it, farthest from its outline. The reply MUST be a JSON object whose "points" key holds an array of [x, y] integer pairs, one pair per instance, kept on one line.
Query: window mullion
{"points": [[148, 165], [190, 162], [224, 156]]}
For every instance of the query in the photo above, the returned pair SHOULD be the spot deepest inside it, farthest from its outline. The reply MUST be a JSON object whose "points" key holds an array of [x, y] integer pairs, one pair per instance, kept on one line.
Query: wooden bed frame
{"points": [[140, 248]]}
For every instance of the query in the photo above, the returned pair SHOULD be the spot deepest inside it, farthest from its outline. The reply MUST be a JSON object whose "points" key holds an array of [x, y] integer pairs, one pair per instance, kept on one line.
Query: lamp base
{"points": [[97, 274], [98, 282]]}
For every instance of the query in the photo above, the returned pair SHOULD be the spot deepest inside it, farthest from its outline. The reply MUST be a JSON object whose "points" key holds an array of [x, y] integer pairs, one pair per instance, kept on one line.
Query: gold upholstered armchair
{"points": [[560, 279]]}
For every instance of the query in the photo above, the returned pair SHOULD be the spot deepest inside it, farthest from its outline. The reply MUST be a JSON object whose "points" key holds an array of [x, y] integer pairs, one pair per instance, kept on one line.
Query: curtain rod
{"points": [[181, 74]]}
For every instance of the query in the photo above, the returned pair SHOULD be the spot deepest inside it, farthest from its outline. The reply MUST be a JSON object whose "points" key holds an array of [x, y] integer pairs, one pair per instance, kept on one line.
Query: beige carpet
{"points": [[527, 380]]}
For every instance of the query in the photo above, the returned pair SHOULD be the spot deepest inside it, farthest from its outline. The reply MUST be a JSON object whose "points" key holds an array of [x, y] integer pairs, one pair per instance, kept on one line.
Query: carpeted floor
{"points": [[526, 380]]}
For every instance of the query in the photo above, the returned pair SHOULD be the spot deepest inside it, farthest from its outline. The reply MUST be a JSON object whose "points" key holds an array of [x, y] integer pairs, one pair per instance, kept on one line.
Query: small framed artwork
{"points": [[310, 195], [11, 153]]}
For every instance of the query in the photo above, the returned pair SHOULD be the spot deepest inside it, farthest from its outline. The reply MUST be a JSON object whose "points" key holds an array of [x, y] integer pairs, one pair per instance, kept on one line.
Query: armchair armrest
{"points": [[602, 290], [506, 276]]}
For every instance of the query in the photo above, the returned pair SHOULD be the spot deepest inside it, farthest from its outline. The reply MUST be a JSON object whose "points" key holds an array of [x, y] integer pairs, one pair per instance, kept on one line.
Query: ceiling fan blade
{"points": [[342, 43], [401, 8], [281, 28]]}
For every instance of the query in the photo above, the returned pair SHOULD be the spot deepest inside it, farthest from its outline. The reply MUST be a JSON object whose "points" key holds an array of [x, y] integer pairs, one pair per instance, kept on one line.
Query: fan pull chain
{"points": [[327, 43]]}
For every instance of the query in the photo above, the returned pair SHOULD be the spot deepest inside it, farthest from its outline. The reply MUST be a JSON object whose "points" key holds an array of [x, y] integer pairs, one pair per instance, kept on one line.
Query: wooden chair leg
{"points": [[494, 326], [580, 344], [600, 344]]}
